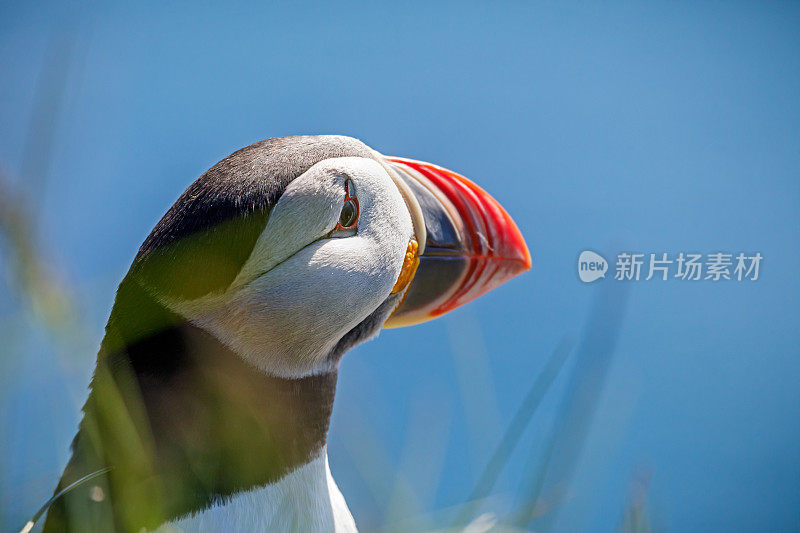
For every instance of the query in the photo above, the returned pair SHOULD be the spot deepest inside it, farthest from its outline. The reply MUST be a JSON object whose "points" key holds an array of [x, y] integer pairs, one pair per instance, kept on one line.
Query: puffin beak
{"points": [[467, 243]]}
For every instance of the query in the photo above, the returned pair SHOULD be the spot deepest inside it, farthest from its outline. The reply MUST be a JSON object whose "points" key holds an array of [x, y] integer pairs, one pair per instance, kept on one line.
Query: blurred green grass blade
{"points": [[475, 384], [592, 360], [35, 518], [517, 426], [49, 97]]}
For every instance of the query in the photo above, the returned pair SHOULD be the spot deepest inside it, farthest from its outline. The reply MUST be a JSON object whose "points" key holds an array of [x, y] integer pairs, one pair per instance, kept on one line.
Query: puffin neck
{"points": [[184, 422]]}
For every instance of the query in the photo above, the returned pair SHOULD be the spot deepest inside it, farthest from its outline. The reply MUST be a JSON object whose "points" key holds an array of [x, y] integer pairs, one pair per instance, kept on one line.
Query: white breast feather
{"points": [[306, 500]]}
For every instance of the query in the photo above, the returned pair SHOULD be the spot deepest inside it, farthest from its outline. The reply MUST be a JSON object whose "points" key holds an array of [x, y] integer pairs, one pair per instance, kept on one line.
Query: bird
{"points": [[211, 398]]}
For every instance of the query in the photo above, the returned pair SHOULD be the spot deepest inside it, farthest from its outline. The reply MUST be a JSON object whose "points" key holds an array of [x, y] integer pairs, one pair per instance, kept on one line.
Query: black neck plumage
{"points": [[182, 421]]}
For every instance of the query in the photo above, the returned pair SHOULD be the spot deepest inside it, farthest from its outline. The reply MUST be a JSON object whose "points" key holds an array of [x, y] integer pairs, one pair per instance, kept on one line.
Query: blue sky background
{"points": [[655, 127]]}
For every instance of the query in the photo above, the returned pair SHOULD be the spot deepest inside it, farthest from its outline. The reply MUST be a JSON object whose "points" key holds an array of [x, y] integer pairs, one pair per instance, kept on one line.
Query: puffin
{"points": [[211, 398]]}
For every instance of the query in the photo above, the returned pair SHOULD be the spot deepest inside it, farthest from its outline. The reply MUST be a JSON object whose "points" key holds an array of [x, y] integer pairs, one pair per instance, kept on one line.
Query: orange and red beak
{"points": [[469, 244]]}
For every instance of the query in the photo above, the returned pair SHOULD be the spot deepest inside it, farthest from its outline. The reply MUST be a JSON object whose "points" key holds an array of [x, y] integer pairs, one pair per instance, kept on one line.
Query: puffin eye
{"points": [[349, 214], [348, 218]]}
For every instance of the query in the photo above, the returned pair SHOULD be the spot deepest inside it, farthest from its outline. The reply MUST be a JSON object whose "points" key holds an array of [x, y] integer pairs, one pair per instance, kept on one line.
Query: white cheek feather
{"points": [[306, 499], [298, 295]]}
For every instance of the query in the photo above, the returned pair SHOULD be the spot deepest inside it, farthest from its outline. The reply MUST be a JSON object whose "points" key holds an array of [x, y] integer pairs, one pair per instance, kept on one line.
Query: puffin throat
{"points": [[184, 422]]}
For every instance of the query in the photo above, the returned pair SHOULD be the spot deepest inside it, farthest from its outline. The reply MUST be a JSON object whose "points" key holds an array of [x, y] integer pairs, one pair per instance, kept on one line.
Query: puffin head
{"points": [[292, 250], [218, 369]]}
